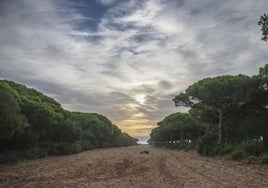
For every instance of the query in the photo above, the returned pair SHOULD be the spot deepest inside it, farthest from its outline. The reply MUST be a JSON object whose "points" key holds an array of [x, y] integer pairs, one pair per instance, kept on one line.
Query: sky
{"points": [[127, 59]]}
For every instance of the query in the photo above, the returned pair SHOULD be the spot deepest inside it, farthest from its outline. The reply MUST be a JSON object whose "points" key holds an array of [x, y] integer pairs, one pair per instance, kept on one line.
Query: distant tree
{"points": [[183, 124], [177, 126], [263, 22], [159, 135], [218, 96], [31, 121], [99, 130]]}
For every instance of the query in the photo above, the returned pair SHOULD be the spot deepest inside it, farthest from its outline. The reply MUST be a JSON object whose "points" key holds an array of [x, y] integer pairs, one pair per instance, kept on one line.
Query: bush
{"points": [[207, 146], [207, 143], [238, 154], [76, 147], [190, 146], [222, 149], [253, 159], [27, 140], [34, 153], [186, 146], [63, 148], [263, 158], [248, 148], [86, 145], [173, 145], [181, 145], [254, 148], [9, 157]]}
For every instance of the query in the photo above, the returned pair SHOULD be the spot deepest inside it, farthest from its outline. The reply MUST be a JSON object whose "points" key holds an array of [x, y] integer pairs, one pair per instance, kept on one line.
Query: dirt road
{"points": [[126, 167]]}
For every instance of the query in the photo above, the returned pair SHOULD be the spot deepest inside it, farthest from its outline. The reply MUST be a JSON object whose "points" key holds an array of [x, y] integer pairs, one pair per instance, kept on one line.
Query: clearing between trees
{"points": [[132, 167]]}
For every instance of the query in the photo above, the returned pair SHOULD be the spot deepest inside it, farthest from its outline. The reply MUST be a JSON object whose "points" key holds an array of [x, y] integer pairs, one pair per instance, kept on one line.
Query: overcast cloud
{"points": [[127, 59]]}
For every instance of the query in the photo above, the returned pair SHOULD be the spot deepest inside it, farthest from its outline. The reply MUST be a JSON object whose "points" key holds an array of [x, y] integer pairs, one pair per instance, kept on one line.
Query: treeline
{"points": [[33, 125], [228, 116]]}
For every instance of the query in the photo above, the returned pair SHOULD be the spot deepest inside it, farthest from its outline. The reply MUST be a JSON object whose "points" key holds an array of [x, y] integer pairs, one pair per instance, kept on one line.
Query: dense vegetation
{"points": [[33, 125], [228, 115]]}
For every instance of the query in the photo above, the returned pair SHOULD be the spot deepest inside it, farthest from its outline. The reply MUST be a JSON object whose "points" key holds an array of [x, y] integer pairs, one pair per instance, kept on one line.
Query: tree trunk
{"points": [[265, 139], [182, 135], [220, 126]]}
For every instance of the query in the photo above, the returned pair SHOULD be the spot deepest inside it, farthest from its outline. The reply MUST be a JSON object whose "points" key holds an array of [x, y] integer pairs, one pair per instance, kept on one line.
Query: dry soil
{"points": [[126, 167]]}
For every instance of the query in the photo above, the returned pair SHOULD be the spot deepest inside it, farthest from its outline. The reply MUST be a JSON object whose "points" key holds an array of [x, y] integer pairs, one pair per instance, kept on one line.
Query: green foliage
{"points": [[98, 130], [252, 147], [33, 125], [64, 131], [207, 143], [222, 149], [238, 151], [218, 92], [9, 157], [238, 104], [186, 146], [218, 96], [125, 140], [177, 126], [263, 22], [87, 145], [28, 139], [41, 111], [33, 153], [207, 146], [238, 154], [62, 148], [11, 121], [263, 158]]}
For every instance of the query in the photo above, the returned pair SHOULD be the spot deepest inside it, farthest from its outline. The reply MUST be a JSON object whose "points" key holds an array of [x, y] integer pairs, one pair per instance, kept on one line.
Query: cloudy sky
{"points": [[127, 59]]}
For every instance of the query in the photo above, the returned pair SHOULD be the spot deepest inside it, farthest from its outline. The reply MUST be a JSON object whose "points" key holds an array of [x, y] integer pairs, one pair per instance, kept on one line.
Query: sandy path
{"points": [[126, 167]]}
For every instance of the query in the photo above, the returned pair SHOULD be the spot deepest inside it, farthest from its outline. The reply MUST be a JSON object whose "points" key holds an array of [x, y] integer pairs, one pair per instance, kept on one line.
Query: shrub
{"points": [[207, 143], [76, 147], [238, 154], [222, 149], [63, 148], [56, 148], [263, 158], [173, 145], [186, 146], [190, 146], [254, 147], [9, 157], [34, 153], [241, 151], [86, 145], [181, 145]]}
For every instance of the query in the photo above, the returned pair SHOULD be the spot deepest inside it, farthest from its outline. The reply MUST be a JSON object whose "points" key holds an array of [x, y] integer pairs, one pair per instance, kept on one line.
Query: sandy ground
{"points": [[126, 167]]}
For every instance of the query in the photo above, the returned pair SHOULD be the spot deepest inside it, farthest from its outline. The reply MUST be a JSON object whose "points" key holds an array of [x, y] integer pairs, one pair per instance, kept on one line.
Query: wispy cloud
{"points": [[107, 2], [151, 48]]}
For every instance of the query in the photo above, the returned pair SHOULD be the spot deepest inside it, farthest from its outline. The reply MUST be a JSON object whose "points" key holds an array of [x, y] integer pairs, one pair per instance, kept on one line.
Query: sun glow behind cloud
{"points": [[127, 59], [140, 98]]}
